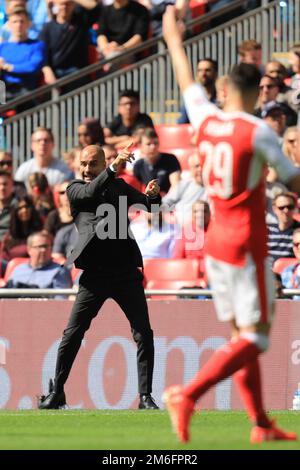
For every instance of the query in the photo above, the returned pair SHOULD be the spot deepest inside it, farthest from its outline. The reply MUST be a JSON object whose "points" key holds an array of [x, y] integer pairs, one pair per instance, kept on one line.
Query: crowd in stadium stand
{"points": [[33, 197]]}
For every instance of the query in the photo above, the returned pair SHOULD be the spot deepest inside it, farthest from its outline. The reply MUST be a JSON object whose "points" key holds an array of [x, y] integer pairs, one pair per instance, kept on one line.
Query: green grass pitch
{"points": [[128, 430]]}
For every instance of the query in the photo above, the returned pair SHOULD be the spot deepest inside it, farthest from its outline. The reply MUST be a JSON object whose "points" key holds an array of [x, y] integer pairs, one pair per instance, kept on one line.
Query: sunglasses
{"points": [[290, 207], [6, 162]]}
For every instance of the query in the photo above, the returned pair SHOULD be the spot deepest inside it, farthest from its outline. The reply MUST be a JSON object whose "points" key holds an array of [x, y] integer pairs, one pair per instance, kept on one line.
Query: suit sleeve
{"points": [[79, 191]]}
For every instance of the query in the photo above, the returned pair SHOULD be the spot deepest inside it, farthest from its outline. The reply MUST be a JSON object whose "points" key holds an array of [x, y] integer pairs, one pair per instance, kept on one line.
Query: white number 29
{"points": [[218, 168]]}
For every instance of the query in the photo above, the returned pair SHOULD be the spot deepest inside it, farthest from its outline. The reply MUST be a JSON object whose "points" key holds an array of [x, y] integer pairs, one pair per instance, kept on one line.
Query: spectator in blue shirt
{"points": [[41, 272], [21, 59], [290, 276]]}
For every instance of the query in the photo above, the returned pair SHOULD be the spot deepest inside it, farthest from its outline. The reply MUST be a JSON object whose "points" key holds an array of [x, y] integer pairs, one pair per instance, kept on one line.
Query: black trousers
{"points": [[126, 288]]}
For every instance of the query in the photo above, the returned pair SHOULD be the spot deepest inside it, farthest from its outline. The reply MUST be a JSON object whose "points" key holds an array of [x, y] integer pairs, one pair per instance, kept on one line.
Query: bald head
{"points": [[92, 162]]}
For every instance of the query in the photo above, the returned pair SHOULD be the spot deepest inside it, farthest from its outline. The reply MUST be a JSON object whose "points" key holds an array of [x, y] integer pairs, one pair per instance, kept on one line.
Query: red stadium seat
{"points": [[171, 269], [174, 136], [183, 155], [282, 263]]}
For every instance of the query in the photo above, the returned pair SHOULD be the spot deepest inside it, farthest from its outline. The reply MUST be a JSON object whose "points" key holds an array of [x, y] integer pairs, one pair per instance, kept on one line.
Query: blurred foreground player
{"points": [[234, 148]]}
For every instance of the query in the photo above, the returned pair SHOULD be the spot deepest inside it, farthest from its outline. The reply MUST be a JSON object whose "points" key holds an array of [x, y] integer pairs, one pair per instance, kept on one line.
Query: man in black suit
{"points": [[110, 260]]}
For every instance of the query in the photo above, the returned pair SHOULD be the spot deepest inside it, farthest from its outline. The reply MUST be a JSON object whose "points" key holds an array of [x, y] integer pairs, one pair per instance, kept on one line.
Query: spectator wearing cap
{"points": [[274, 114], [21, 59], [269, 90]]}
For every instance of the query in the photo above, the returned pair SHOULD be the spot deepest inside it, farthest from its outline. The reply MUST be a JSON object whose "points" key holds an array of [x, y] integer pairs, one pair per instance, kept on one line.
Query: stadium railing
{"points": [[277, 28], [36, 293]]}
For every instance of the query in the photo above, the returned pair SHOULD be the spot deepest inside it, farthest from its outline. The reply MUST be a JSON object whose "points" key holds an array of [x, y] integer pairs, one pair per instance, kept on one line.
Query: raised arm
{"points": [[172, 32]]}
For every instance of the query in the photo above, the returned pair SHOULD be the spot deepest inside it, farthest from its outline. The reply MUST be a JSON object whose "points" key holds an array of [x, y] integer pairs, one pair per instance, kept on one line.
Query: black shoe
{"points": [[53, 401], [147, 403]]}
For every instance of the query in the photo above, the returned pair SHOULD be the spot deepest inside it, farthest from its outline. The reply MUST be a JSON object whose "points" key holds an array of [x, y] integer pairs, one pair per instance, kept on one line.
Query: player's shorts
{"points": [[244, 294]]}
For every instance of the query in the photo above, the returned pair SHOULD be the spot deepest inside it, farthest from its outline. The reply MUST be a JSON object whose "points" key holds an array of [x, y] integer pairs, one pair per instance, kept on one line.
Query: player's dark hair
{"points": [[245, 77], [130, 94]]}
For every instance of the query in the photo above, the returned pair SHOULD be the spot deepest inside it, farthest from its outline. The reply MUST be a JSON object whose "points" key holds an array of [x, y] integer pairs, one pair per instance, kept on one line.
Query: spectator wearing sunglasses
{"points": [[6, 164], [280, 236], [269, 92], [61, 215], [291, 145]]}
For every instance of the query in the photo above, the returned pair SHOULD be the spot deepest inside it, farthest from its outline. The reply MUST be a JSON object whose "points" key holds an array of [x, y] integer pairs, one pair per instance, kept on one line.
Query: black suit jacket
{"points": [[88, 206]]}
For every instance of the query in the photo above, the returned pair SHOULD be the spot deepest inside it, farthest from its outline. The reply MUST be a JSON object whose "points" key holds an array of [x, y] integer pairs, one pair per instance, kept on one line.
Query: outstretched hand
{"points": [[124, 156], [172, 28], [152, 188]]}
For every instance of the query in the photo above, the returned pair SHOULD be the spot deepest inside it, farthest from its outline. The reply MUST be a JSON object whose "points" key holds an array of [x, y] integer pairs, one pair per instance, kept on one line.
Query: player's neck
{"points": [[235, 102]]}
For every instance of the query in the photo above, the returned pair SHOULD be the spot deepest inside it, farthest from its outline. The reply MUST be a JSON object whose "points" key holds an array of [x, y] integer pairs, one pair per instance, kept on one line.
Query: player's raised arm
{"points": [[173, 37]]}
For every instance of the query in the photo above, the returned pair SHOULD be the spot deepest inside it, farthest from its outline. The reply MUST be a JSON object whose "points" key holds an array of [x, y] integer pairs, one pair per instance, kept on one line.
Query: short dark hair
{"points": [[19, 11], [130, 94], [245, 76], [275, 80], [149, 133], [213, 62]]}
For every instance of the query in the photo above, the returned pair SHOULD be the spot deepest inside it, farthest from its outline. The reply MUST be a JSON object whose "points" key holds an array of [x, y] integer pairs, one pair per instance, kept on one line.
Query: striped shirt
{"points": [[280, 242]]}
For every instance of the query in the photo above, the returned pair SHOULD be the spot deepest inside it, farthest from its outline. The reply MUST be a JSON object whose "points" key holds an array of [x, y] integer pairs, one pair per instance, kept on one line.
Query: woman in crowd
{"points": [[41, 194], [90, 132], [24, 221]]}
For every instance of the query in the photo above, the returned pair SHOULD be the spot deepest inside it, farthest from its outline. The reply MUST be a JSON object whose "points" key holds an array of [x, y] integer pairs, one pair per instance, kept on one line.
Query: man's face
{"points": [[296, 244], [18, 25], [6, 188], [253, 57], [110, 155], [42, 144], [206, 74], [294, 61], [195, 169], [149, 148], [267, 90], [65, 7], [277, 121], [92, 163], [39, 251], [284, 208], [129, 107], [6, 162], [201, 214]]}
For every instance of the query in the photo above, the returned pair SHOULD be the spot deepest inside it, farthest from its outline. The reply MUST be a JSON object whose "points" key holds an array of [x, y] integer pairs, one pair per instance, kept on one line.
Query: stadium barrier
{"points": [[104, 375]]}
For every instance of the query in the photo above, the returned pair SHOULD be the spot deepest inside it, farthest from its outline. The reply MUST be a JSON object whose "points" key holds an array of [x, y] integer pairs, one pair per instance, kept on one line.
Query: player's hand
{"points": [[152, 188], [123, 156]]}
